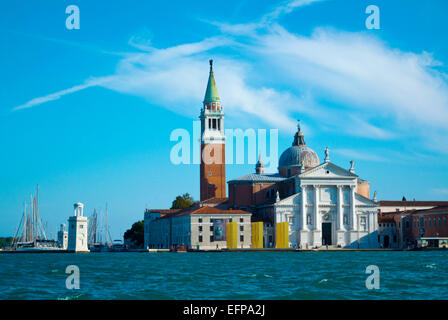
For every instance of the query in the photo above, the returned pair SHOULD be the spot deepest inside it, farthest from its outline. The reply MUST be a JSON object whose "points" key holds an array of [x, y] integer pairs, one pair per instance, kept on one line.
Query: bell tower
{"points": [[213, 166]]}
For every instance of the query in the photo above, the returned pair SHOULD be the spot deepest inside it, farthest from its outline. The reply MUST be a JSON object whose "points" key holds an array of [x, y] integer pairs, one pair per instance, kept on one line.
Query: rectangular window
{"points": [[241, 228], [230, 220], [241, 238], [219, 124], [211, 228], [241, 220], [200, 228], [200, 220], [214, 123], [209, 123], [200, 238], [212, 239]]}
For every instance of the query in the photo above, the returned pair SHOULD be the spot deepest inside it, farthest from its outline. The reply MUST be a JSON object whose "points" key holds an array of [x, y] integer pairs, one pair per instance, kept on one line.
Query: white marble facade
{"points": [[328, 210]]}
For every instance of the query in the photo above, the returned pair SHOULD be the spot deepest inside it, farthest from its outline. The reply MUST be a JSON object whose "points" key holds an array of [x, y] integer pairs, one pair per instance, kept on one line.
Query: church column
{"points": [[340, 212], [317, 223], [303, 208], [352, 208]]}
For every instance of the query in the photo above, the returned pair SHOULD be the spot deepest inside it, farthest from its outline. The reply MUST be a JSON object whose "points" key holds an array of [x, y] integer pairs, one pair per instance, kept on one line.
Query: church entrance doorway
{"points": [[326, 233], [386, 241]]}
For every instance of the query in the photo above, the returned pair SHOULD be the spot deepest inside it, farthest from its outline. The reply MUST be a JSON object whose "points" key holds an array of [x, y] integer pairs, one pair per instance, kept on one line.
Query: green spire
{"points": [[211, 94]]}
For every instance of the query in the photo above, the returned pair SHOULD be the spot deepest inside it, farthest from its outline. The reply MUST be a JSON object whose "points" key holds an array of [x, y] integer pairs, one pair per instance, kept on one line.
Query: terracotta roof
{"points": [[436, 209], [393, 203], [382, 219], [442, 209], [215, 200], [202, 210], [164, 211]]}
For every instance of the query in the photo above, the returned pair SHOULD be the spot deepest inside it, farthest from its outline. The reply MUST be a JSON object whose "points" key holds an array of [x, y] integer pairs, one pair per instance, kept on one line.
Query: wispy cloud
{"points": [[59, 94], [285, 8], [376, 91]]}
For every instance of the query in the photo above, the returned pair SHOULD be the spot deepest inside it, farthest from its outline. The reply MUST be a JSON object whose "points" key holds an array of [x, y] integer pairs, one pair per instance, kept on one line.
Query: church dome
{"points": [[298, 154], [295, 155]]}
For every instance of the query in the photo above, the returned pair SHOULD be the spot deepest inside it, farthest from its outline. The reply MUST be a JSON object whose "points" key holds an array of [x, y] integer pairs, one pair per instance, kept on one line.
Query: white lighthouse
{"points": [[77, 230]]}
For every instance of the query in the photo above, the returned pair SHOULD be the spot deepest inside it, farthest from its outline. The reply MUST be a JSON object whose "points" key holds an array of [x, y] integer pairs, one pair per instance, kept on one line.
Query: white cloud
{"points": [[285, 8], [59, 94], [375, 91], [361, 72]]}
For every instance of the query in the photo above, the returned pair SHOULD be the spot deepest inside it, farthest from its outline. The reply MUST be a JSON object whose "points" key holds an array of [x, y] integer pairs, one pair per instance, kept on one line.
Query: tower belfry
{"points": [[212, 169]]}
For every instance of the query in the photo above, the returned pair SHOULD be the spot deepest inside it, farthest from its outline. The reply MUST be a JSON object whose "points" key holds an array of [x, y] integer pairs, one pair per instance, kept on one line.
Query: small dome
{"points": [[293, 156], [299, 153]]}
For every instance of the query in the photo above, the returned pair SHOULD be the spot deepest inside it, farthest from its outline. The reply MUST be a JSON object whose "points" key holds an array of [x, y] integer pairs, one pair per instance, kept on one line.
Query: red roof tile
{"points": [[393, 203]]}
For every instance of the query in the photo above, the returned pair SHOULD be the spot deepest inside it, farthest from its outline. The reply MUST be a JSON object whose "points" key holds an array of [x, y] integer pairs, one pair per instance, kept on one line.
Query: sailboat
{"points": [[99, 233], [30, 235]]}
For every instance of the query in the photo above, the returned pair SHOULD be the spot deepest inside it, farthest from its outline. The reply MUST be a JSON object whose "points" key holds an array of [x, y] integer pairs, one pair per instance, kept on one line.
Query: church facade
{"points": [[322, 203]]}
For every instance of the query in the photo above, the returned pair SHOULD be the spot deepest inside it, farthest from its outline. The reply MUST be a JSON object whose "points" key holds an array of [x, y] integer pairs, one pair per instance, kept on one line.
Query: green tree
{"points": [[183, 201], [136, 234], [6, 242]]}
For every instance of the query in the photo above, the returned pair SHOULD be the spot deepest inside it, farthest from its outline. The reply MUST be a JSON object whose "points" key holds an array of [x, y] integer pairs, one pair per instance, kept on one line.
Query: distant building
{"points": [[429, 228], [388, 235], [62, 237], [386, 206], [77, 230], [424, 227], [200, 226]]}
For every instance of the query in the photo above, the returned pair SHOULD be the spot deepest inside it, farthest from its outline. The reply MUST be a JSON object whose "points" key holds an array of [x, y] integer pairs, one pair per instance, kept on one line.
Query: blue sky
{"points": [[87, 114]]}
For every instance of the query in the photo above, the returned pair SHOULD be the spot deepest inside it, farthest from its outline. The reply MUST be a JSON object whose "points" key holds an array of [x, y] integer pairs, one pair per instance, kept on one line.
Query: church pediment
{"points": [[327, 170], [289, 201]]}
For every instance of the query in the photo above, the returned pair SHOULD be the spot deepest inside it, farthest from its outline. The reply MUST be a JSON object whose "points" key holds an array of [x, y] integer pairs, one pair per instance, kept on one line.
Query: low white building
{"points": [[199, 227]]}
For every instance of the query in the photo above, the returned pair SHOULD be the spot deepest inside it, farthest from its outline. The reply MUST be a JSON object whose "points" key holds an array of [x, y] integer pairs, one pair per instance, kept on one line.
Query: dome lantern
{"points": [[298, 157]]}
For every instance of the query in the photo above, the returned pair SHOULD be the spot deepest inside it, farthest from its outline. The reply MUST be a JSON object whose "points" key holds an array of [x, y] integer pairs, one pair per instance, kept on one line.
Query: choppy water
{"points": [[238, 275]]}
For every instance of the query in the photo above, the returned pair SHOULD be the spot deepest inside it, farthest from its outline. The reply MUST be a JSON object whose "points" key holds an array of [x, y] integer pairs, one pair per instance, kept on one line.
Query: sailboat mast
{"points": [[36, 210]]}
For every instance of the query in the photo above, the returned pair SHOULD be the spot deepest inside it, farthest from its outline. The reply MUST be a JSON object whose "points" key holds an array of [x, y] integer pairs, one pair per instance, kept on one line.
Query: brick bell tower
{"points": [[213, 164]]}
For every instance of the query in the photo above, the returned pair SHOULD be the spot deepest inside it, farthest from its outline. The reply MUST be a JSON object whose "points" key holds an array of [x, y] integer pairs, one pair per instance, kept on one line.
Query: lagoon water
{"points": [[227, 275]]}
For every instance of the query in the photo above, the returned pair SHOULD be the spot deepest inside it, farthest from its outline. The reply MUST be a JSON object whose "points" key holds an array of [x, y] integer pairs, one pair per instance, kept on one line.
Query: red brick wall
{"points": [[213, 175], [431, 230]]}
